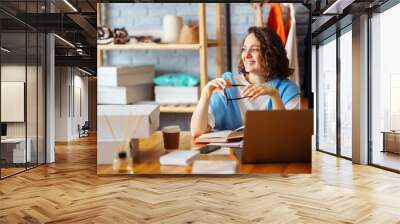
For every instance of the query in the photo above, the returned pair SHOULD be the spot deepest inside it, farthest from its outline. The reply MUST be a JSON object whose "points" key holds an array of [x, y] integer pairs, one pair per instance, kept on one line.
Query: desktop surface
{"points": [[147, 158]]}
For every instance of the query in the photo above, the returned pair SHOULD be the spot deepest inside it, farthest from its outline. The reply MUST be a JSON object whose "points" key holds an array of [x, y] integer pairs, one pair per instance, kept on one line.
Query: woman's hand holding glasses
{"points": [[216, 85], [254, 90], [251, 91]]}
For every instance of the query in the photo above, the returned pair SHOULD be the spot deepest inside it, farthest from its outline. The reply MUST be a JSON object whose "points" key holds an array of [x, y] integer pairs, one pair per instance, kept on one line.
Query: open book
{"points": [[222, 136]]}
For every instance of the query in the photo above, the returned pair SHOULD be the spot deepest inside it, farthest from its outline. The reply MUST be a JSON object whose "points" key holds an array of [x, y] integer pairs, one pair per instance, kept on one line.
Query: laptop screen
{"points": [[3, 129]]}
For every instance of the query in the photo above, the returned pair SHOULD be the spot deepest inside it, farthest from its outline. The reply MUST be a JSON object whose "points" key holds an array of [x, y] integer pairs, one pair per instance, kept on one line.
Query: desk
{"points": [[146, 160], [16, 148]]}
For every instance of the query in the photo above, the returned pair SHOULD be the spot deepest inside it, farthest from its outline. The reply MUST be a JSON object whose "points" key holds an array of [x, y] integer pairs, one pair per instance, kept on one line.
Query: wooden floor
{"points": [[387, 159], [5, 172], [69, 191]]}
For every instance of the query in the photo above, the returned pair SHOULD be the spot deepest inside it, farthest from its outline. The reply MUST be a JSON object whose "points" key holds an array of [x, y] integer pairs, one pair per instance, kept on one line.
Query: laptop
{"points": [[278, 136]]}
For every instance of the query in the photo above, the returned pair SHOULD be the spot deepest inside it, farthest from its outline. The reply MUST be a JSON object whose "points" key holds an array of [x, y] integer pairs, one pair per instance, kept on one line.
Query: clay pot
{"points": [[189, 35]]}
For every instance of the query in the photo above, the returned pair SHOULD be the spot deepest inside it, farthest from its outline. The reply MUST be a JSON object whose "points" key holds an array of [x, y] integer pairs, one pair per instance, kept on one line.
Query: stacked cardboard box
{"points": [[124, 85], [118, 122]]}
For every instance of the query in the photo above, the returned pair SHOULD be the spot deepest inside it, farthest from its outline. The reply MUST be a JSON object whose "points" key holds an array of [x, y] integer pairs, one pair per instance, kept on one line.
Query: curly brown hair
{"points": [[273, 53]]}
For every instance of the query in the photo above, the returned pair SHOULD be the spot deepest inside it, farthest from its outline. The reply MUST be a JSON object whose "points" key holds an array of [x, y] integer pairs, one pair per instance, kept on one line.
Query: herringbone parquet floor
{"points": [[69, 191]]}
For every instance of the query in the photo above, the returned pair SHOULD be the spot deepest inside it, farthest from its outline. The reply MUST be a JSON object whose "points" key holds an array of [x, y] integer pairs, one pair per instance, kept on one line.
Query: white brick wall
{"points": [[139, 17]]}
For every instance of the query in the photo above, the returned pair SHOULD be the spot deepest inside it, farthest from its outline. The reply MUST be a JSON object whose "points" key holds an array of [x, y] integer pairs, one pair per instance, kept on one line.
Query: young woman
{"points": [[262, 84]]}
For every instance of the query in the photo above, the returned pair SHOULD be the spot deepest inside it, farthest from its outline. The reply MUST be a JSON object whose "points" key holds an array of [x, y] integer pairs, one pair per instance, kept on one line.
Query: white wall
{"points": [[146, 18], [33, 126], [80, 109], [61, 104], [69, 82], [16, 73]]}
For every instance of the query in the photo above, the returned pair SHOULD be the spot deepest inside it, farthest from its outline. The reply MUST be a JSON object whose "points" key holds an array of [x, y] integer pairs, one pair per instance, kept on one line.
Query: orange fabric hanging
{"points": [[276, 21]]}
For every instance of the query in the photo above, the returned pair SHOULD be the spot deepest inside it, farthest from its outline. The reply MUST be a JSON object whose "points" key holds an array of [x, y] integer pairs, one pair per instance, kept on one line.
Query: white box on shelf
{"points": [[125, 75], [119, 122], [123, 95], [176, 95]]}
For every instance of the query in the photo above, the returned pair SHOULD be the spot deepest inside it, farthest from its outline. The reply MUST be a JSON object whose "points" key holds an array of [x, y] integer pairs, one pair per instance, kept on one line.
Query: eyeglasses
{"points": [[232, 99]]}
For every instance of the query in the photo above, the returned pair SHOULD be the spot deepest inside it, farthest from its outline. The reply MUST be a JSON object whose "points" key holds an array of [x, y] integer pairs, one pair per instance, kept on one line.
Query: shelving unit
{"points": [[202, 47], [151, 46], [184, 108]]}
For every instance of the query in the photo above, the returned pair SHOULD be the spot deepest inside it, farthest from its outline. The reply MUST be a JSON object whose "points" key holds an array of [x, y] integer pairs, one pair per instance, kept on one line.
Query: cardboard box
{"points": [[125, 75], [124, 95], [123, 122]]}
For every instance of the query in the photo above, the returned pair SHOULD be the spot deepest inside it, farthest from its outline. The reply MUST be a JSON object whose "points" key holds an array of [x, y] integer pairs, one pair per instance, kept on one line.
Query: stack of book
{"points": [[124, 85], [179, 157]]}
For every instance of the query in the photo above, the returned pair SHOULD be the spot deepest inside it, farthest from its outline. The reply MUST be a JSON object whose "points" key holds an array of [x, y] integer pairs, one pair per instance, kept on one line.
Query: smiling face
{"points": [[263, 54], [251, 55]]}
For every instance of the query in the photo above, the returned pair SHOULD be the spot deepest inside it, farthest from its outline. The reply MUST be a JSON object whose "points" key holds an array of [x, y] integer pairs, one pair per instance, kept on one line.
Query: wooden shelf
{"points": [[188, 108], [201, 47], [154, 46]]}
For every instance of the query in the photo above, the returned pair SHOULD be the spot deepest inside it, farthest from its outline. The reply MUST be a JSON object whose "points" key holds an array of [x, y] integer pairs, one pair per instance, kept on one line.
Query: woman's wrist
{"points": [[271, 91], [206, 93], [277, 103], [275, 95]]}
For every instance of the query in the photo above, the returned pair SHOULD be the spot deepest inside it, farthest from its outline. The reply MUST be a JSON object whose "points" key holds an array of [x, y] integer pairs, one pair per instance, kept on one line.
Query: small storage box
{"points": [[176, 95], [118, 122]]}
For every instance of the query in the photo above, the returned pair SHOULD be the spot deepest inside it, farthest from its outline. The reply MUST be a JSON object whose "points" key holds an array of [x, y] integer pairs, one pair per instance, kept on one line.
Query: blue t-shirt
{"points": [[227, 116]]}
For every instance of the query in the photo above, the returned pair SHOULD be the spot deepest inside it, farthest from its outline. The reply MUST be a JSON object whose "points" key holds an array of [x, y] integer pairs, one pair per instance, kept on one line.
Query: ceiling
{"points": [[329, 16], [72, 20]]}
